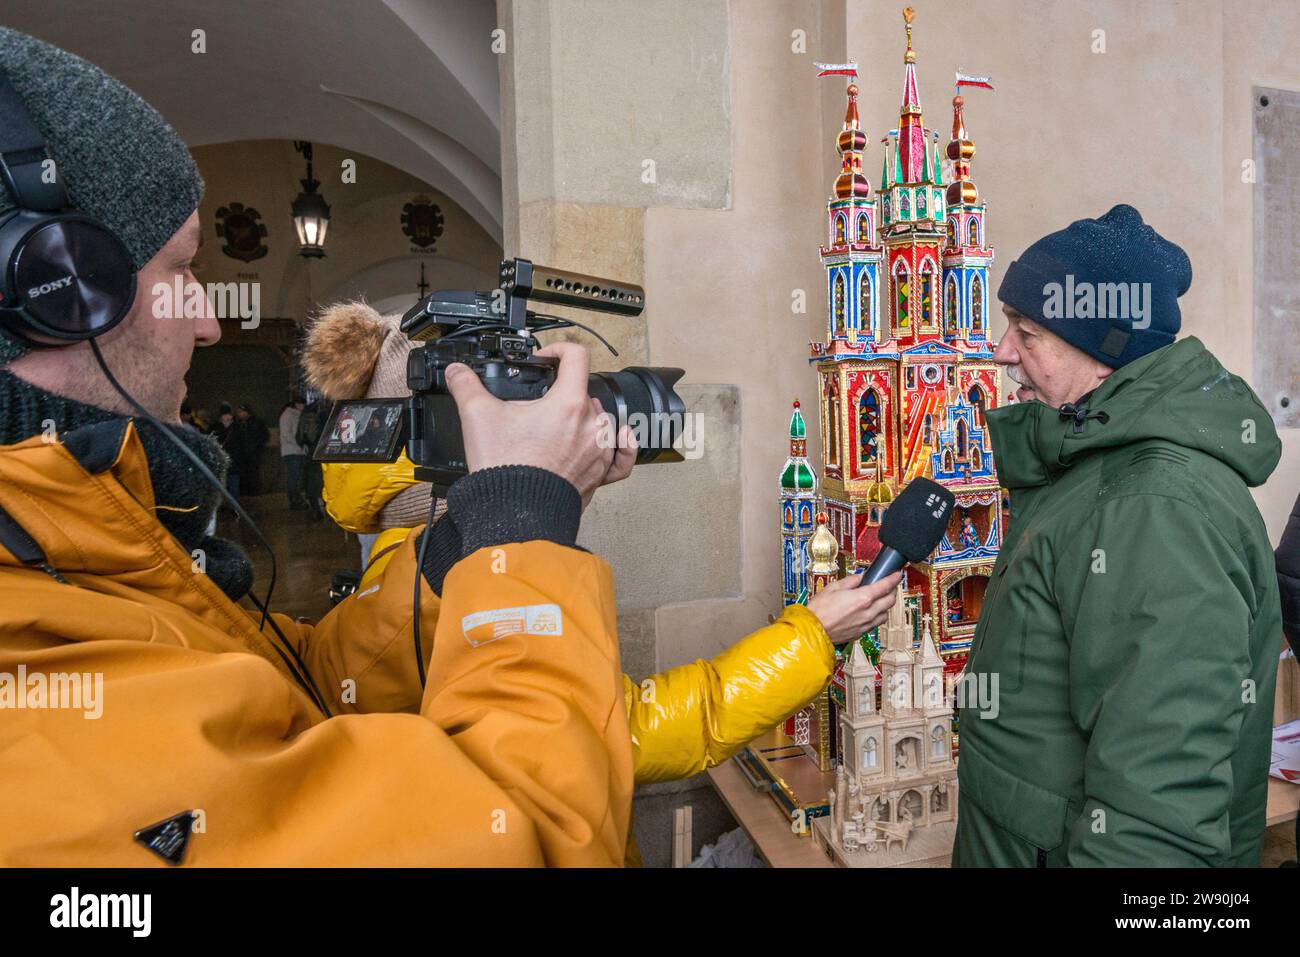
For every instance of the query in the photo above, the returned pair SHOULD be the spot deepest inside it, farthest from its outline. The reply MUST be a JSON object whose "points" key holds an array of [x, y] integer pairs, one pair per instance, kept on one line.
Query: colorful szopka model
{"points": [[906, 376]]}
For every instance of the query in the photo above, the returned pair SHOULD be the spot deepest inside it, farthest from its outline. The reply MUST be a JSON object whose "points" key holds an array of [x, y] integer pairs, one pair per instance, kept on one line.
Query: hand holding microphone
{"points": [[911, 529], [848, 612]]}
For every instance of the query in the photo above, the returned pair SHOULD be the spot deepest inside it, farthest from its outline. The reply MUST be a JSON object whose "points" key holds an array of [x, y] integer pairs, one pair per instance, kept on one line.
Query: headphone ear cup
{"points": [[72, 277]]}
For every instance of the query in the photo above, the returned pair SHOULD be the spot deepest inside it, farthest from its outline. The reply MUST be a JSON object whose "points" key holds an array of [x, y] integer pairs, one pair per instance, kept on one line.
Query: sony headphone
{"points": [[66, 276]]}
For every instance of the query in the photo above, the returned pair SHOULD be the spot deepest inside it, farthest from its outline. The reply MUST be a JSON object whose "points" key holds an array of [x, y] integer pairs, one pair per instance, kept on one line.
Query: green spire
{"points": [[797, 428], [797, 476]]}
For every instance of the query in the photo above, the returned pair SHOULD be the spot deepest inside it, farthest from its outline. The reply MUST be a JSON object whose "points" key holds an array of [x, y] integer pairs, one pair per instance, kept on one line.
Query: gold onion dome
{"points": [[879, 492], [960, 151], [851, 142], [822, 548]]}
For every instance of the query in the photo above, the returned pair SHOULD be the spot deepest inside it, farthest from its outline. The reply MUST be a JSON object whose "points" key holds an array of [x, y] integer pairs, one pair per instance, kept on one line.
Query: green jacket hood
{"points": [[1180, 394]]}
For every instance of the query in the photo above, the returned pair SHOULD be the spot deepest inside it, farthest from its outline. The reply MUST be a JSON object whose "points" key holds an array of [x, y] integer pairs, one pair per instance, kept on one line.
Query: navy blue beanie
{"points": [[1108, 286]]}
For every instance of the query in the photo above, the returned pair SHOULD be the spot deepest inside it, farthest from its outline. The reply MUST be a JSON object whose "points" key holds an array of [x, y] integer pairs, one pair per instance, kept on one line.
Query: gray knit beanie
{"points": [[121, 162]]}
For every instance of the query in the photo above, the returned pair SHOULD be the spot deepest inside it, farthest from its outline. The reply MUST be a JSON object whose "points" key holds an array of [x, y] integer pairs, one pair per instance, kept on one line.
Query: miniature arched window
{"points": [[947, 460], [864, 228], [927, 429], [868, 427], [899, 302], [920, 204], [839, 303], [866, 312], [953, 312], [976, 304], [904, 207], [869, 754], [973, 229], [789, 516], [832, 426], [885, 208], [927, 292], [977, 401], [839, 230], [976, 458], [936, 742], [952, 230], [866, 696], [790, 566], [933, 696], [961, 438]]}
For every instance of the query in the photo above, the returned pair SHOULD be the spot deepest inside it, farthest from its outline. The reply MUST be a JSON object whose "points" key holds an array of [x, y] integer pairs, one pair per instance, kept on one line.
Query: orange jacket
{"points": [[516, 753], [695, 716]]}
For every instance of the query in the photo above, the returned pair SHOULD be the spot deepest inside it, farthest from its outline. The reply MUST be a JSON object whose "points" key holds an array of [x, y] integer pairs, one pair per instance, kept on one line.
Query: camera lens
{"points": [[642, 398]]}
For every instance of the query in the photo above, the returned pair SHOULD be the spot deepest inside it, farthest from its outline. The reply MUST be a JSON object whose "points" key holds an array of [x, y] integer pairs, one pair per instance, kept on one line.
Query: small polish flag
{"points": [[836, 69], [966, 79]]}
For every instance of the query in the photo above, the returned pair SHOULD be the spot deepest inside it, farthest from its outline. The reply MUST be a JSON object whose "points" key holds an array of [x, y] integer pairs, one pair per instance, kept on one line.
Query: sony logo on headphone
{"points": [[48, 287]]}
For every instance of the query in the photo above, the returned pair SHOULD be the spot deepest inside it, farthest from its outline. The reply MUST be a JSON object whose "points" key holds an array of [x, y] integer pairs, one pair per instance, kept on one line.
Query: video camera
{"points": [[494, 334]]}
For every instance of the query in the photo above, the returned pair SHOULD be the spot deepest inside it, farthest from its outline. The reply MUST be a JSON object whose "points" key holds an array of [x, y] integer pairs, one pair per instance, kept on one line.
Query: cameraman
{"points": [[193, 736]]}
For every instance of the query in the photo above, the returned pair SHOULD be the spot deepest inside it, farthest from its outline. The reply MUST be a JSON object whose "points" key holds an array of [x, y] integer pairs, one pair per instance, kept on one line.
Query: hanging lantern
{"points": [[311, 214]]}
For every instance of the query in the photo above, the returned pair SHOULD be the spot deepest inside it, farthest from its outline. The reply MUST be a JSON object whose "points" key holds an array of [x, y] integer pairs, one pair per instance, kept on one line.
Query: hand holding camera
{"points": [[492, 336], [560, 432]]}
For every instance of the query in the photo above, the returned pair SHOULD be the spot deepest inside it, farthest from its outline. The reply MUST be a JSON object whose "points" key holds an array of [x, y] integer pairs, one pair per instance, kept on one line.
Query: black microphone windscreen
{"points": [[914, 523]]}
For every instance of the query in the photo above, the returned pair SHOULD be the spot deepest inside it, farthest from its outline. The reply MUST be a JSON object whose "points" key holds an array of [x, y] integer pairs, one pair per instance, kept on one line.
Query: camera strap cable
{"points": [[419, 579], [300, 671]]}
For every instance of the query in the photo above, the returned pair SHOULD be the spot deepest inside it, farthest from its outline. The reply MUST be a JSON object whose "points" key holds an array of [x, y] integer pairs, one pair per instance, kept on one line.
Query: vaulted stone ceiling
{"points": [[410, 82]]}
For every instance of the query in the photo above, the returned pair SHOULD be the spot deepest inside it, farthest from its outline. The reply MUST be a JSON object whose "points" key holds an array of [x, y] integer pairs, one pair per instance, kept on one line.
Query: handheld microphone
{"points": [[911, 529]]}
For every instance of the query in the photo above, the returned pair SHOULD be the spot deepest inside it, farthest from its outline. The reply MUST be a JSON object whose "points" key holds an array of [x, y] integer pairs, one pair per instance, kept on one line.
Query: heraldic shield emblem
{"points": [[422, 221], [243, 232]]}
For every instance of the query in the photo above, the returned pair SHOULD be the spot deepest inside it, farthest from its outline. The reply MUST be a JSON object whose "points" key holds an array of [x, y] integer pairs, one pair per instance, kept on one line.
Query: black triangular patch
{"points": [[168, 839]]}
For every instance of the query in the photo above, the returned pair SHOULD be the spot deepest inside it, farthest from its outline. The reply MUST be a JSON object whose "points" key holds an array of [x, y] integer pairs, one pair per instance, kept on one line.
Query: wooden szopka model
{"points": [[895, 797], [906, 375]]}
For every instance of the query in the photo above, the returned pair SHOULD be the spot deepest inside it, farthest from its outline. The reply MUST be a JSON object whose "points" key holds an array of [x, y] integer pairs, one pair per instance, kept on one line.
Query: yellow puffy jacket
{"points": [[515, 753], [355, 492], [686, 719]]}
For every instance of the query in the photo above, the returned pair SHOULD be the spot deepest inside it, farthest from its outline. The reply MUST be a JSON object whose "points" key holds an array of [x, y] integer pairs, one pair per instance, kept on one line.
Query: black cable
{"points": [[419, 577], [559, 323], [309, 685], [306, 682]]}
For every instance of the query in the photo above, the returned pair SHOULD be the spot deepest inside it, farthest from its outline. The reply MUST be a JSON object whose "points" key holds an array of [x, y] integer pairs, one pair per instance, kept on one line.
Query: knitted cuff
{"points": [[513, 503], [442, 553]]}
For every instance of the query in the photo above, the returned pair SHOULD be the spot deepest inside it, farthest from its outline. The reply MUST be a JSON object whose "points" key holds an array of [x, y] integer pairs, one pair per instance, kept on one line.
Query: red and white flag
{"points": [[836, 69], [966, 79]]}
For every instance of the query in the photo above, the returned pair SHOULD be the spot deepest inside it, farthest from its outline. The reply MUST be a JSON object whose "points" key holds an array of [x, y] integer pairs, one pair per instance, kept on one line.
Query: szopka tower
{"points": [[905, 369], [905, 376]]}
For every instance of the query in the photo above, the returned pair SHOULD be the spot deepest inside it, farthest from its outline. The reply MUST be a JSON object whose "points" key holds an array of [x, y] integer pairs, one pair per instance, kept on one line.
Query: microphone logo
{"points": [[934, 499]]}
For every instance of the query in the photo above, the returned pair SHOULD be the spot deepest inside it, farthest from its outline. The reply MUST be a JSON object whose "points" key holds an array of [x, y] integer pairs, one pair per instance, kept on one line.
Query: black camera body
{"points": [[493, 334]]}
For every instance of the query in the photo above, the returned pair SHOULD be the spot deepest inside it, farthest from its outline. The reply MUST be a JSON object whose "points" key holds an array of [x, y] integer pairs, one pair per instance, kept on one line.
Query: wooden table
{"points": [[767, 827], [1283, 801]]}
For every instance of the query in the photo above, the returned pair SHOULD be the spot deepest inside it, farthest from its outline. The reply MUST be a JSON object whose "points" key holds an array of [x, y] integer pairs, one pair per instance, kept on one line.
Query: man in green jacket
{"points": [[1118, 699]]}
